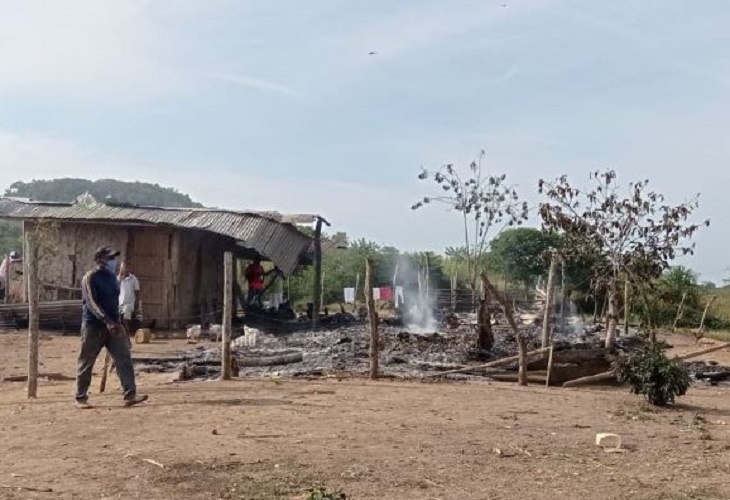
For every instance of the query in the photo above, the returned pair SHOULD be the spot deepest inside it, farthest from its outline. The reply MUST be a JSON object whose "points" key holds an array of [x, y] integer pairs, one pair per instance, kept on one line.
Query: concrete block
{"points": [[608, 440]]}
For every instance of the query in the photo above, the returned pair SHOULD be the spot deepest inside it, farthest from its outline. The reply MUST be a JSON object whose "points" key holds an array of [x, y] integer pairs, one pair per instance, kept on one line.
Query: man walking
{"points": [[100, 328], [128, 296]]}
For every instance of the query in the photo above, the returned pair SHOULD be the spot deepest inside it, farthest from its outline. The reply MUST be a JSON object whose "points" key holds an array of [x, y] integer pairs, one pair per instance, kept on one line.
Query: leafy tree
{"points": [[11, 237], [634, 232], [520, 254]]}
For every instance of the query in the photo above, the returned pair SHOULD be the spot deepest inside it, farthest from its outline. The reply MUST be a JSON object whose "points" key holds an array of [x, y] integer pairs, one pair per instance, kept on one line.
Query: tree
{"points": [[487, 204], [519, 254], [635, 233]]}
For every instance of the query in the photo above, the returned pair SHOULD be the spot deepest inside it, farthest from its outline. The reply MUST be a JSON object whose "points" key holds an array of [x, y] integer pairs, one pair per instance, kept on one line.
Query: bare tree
{"points": [[635, 233], [487, 204]]}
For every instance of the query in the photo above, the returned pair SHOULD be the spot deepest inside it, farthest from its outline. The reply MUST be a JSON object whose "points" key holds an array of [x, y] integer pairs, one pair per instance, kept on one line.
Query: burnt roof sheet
{"points": [[270, 234]]}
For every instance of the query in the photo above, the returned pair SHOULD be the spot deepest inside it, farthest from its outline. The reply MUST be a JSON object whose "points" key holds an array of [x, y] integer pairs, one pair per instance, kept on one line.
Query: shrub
{"points": [[649, 372]]}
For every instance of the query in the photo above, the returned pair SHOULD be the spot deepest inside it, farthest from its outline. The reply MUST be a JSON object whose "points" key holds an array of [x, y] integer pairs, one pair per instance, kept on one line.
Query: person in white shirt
{"points": [[128, 296]]}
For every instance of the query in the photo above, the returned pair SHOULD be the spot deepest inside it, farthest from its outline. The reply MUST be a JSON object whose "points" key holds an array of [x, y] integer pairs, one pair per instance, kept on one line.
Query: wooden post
{"points": [[227, 315], [547, 312], [627, 306], [549, 366], [373, 317], [321, 293], [104, 372], [704, 314], [317, 287], [562, 290], [30, 261], [680, 310], [509, 314]]}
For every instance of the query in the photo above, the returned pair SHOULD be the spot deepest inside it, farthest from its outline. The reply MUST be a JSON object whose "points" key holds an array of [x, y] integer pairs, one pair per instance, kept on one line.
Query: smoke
{"points": [[419, 298]]}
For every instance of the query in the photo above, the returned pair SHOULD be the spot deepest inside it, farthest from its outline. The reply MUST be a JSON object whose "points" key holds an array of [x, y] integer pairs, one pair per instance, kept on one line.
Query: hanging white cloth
{"points": [[398, 293], [349, 295], [376, 293]]}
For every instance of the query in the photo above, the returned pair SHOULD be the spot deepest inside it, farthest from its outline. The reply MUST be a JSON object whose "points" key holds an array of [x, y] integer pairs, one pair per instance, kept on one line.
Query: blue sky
{"points": [[278, 105]]}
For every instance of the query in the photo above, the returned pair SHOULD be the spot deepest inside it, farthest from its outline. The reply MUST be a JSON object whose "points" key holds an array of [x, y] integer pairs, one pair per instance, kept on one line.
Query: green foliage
{"points": [[521, 254], [322, 493], [136, 193], [650, 373]]}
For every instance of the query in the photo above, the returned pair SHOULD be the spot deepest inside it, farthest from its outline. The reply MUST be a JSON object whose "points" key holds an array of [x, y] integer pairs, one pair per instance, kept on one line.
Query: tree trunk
{"points": [[701, 328], [612, 320], [485, 336], [317, 285], [509, 314], [627, 306], [373, 318], [31, 271], [227, 315], [547, 312]]}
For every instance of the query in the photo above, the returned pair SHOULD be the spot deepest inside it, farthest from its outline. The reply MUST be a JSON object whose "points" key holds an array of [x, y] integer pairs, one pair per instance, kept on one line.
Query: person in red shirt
{"points": [[254, 275]]}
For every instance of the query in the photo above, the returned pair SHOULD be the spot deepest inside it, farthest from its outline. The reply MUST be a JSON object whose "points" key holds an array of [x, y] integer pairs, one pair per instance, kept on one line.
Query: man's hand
{"points": [[114, 328]]}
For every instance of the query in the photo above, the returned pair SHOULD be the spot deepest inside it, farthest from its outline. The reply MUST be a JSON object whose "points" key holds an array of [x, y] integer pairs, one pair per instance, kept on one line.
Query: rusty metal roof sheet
{"points": [[271, 234]]}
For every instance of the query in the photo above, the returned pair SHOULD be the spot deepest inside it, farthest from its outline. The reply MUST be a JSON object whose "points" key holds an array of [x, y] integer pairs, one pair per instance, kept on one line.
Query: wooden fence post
{"points": [[227, 315], [31, 272], [317, 285], [680, 310], [547, 313], [373, 316]]}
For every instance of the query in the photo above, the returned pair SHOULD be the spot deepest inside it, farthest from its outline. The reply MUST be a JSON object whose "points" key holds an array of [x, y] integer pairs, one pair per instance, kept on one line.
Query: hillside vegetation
{"points": [[66, 190]]}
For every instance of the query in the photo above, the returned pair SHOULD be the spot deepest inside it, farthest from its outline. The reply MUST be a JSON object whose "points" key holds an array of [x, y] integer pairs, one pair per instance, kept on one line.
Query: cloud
{"points": [[253, 83]]}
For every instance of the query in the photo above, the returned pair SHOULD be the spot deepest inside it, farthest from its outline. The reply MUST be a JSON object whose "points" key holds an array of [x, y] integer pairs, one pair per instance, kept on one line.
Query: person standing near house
{"points": [[128, 296], [277, 288], [6, 273], [254, 275], [100, 327]]}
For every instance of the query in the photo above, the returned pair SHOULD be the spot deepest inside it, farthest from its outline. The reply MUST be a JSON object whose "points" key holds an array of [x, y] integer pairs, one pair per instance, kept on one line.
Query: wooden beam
{"points": [[227, 315], [317, 287], [491, 364]]}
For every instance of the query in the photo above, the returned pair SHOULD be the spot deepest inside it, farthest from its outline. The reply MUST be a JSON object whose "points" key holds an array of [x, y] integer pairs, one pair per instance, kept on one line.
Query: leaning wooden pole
{"points": [[317, 285], [548, 310], [704, 314], [373, 318], [227, 315], [31, 271], [105, 372], [680, 310], [509, 314]]}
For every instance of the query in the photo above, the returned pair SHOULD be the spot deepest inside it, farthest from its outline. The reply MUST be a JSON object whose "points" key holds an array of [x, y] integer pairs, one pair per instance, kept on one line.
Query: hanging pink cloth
{"points": [[386, 293]]}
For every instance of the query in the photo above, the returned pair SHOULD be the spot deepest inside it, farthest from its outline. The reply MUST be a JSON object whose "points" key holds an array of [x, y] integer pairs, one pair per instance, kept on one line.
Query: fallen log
{"points": [[243, 361], [493, 364], [55, 377], [695, 354]]}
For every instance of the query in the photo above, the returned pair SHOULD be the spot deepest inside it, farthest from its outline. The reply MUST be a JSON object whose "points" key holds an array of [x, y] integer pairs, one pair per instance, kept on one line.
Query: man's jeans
{"points": [[93, 339]]}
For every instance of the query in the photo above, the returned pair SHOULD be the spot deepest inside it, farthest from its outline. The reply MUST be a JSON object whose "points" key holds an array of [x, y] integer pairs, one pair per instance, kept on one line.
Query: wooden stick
{"points": [[704, 314], [547, 310], [227, 315], [549, 367], [104, 372], [509, 314], [31, 268], [373, 318], [491, 364], [590, 379], [680, 310], [700, 353], [26, 488], [317, 283]]}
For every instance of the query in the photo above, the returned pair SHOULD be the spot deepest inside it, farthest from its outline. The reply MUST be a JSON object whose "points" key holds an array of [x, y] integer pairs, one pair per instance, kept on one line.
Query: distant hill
{"points": [[66, 190], [136, 193]]}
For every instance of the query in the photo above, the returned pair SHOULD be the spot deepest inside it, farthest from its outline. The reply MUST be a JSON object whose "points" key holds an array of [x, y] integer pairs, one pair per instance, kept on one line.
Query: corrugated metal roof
{"points": [[271, 234]]}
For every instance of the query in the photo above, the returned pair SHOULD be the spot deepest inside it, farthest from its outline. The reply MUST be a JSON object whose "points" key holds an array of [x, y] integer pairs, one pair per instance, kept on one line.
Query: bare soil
{"points": [[264, 439]]}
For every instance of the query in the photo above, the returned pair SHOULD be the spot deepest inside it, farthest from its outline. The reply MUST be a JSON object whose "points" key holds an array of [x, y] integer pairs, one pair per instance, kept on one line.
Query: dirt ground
{"points": [[268, 439]]}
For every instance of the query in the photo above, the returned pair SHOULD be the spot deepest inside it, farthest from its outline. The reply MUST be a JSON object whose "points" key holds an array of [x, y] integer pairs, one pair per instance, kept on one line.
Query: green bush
{"points": [[649, 372]]}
